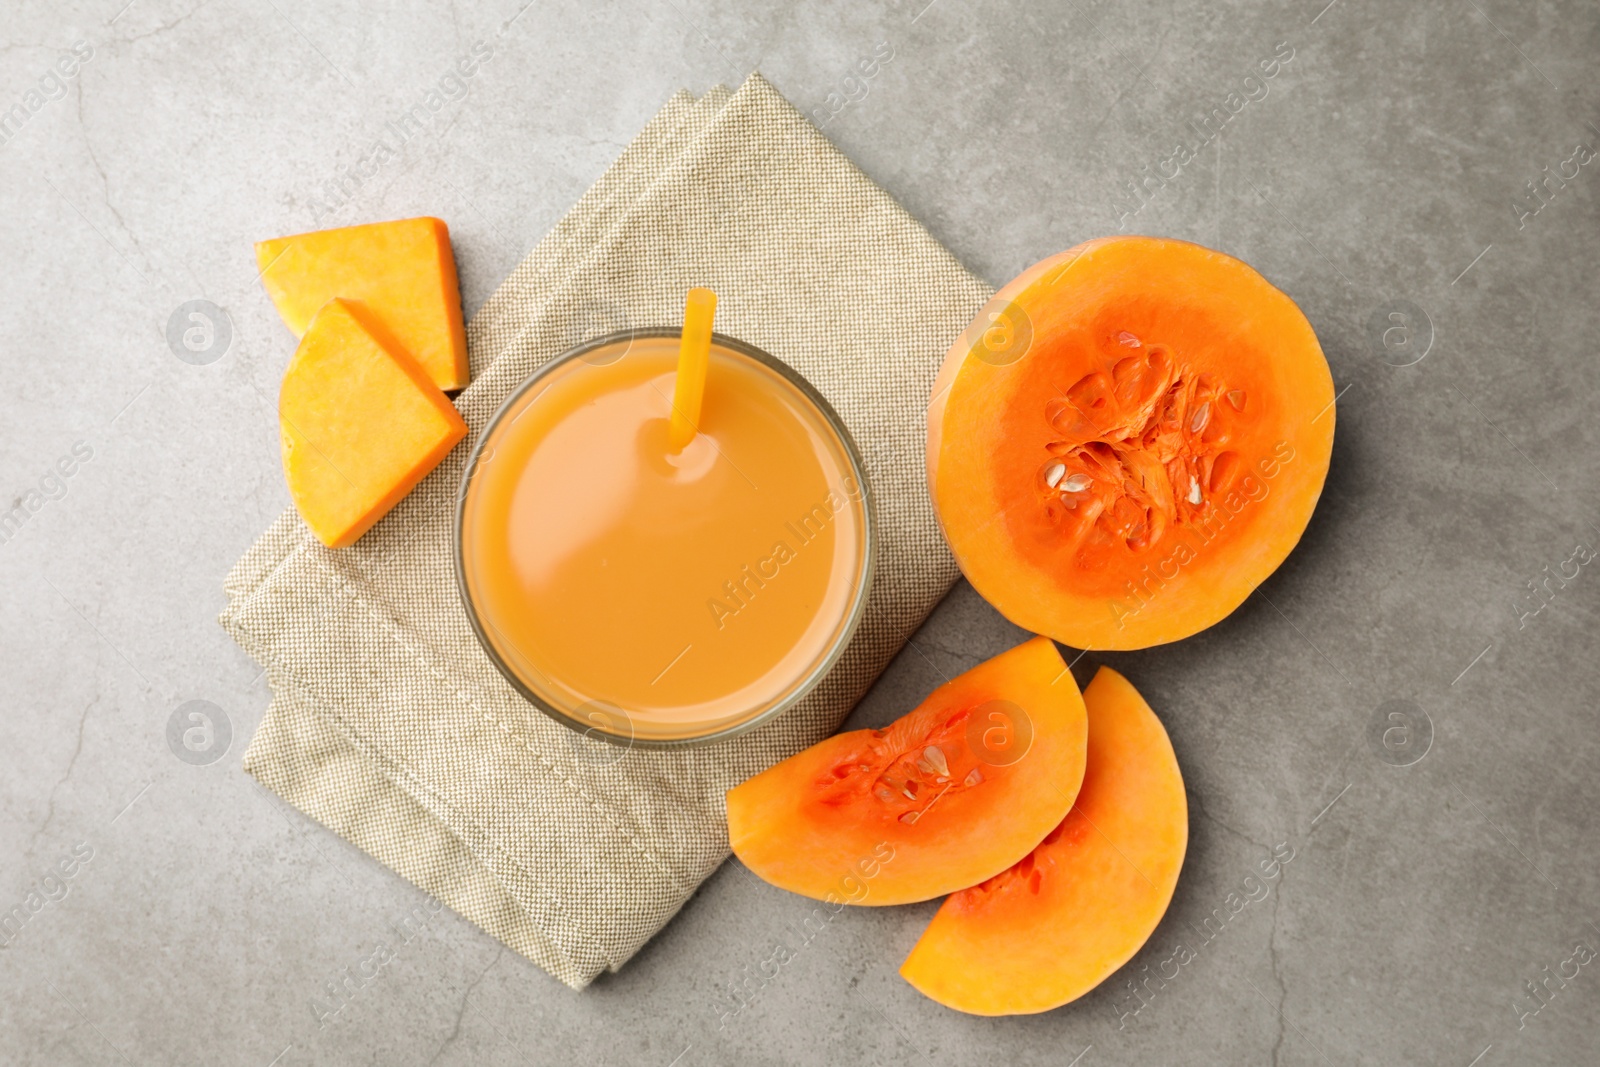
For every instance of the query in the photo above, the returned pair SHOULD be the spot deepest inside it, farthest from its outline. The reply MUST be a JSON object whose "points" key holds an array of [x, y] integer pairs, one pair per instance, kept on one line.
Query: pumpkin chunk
{"points": [[1057, 924], [361, 425], [403, 272], [954, 791]]}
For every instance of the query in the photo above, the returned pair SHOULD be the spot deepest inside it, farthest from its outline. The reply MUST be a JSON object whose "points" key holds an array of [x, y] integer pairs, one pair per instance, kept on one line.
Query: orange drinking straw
{"points": [[694, 356]]}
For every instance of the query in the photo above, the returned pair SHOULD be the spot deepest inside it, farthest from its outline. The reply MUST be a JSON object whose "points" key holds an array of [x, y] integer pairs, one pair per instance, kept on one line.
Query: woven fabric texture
{"points": [[389, 725]]}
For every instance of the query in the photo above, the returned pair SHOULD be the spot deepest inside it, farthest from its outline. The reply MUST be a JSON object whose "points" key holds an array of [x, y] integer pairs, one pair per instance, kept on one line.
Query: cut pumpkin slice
{"points": [[361, 425], [951, 793], [402, 272], [1060, 922], [1128, 440]]}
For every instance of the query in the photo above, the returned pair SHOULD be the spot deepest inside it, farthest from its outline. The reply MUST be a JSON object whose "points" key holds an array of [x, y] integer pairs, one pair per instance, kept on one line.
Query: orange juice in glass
{"points": [[653, 594]]}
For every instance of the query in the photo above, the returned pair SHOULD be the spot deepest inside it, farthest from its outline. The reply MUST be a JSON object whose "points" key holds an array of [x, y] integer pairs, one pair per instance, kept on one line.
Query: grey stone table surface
{"points": [[1406, 708]]}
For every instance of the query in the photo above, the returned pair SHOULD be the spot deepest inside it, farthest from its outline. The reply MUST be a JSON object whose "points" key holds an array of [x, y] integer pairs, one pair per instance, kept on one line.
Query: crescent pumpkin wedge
{"points": [[1131, 436], [951, 793], [1057, 924]]}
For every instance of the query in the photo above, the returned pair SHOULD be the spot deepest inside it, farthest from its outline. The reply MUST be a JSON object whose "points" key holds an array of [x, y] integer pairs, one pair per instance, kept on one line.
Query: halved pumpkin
{"points": [[951, 793], [1129, 439], [1079, 906]]}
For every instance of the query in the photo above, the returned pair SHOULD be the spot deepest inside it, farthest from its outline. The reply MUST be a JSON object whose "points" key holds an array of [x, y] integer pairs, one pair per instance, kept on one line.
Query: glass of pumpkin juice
{"points": [[652, 595]]}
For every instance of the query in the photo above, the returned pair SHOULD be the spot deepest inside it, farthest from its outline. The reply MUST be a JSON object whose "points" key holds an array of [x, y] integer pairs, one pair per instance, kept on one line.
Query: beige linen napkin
{"points": [[388, 723]]}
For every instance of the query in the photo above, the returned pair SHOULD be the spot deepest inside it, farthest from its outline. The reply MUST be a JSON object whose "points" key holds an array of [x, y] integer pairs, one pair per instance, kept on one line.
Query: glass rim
{"points": [[823, 667]]}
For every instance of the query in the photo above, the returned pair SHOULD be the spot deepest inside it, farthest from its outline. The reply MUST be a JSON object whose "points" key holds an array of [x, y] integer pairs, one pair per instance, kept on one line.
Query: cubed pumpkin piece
{"points": [[402, 272], [361, 425]]}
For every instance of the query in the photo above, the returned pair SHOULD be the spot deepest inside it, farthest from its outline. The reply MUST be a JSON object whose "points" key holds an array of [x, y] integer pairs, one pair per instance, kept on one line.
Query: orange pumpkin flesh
{"points": [[1079, 906], [944, 797], [361, 424], [403, 273], [1129, 439]]}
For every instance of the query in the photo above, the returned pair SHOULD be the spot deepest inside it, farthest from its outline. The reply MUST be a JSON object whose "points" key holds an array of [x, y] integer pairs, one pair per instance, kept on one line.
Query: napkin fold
{"points": [[390, 726]]}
